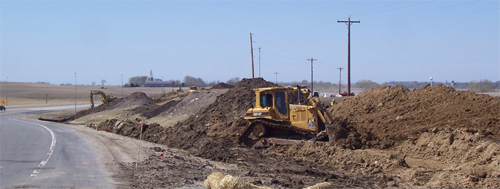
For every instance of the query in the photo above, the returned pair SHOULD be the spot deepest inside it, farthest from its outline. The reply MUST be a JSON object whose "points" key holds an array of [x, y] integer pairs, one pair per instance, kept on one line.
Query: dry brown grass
{"points": [[21, 93]]}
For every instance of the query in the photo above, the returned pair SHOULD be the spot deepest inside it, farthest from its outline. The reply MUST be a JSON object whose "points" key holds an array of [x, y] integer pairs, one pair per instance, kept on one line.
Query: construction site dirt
{"points": [[386, 137]]}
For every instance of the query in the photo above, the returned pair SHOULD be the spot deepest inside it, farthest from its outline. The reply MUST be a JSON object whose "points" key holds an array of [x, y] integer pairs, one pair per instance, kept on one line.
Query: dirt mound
{"points": [[137, 98], [384, 116], [222, 85], [193, 103], [149, 111]]}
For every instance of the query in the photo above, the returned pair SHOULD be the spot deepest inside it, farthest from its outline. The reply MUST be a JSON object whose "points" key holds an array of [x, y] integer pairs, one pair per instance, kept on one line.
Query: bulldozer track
{"points": [[283, 126], [249, 128]]}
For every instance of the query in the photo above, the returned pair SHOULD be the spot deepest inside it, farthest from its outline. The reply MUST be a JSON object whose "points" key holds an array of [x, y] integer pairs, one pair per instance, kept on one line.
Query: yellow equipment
{"points": [[104, 98], [192, 89], [278, 112]]}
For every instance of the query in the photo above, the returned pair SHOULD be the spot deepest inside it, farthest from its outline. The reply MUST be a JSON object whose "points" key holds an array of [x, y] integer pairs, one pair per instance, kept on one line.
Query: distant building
{"points": [[159, 83], [151, 82]]}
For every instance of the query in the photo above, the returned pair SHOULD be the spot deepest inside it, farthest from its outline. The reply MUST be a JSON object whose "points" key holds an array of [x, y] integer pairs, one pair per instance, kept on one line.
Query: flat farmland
{"points": [[21, 93]]}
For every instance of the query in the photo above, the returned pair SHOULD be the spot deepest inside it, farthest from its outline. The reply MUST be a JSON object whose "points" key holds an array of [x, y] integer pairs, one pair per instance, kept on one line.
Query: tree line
{"points": [[138, 81], [365, 85]]}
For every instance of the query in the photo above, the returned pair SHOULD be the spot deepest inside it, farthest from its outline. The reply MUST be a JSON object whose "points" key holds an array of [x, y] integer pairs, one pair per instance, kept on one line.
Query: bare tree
{"points": [[233, 81], [481, 86], [137, 80], [365, 85], [192, 81], [103, 82], [93, 83]]}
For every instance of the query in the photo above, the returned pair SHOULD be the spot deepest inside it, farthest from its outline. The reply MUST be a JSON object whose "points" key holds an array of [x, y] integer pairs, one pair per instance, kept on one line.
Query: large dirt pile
{"points": [[149, 111], [192, 103], [212, 129], [384, 116], [135, 99], [222, 85]]}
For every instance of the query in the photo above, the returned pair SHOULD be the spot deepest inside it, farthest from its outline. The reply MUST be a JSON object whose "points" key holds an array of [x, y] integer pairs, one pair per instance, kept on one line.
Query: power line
{"points": [[419, 11], [395, 8], [375, 8]]}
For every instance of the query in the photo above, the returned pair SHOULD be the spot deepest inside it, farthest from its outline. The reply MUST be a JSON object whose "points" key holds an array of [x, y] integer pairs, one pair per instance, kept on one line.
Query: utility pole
{"points": [[251, 52], [75, 92], [348, 23], [7, 98], [259, 61], [340, 77], [312, 88], [276, 73]]}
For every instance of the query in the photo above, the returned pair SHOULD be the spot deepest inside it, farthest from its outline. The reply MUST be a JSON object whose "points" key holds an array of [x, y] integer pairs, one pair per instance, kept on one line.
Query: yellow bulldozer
{"points": [[288, 113], [104, 98]]}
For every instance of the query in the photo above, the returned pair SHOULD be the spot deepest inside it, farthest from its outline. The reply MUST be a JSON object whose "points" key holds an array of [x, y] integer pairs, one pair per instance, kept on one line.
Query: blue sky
{"points": [[396, 40]]}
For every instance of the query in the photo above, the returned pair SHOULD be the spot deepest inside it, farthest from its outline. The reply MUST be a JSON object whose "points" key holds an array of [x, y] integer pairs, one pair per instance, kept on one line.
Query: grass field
{"points": [[20, 93]]}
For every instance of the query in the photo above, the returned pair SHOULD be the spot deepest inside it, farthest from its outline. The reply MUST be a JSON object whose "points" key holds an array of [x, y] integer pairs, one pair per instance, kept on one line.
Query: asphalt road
{"points": [[43, 155]]}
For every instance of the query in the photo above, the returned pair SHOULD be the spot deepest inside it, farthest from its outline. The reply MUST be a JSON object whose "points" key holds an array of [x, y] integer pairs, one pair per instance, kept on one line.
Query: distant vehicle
{"points": [[325, 95], [193, 89], [2, 108], [315, 94], [345, 94]]}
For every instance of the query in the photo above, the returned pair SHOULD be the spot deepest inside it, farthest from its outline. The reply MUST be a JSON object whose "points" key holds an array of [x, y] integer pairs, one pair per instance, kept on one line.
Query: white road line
{"points": [[51, 150], [49, 153]]}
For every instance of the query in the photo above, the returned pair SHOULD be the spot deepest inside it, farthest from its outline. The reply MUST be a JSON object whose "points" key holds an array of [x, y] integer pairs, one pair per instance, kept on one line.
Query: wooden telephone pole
{"points": [[312, 88], [276, 79], [340, 77], [251, 52], [348, 23]]}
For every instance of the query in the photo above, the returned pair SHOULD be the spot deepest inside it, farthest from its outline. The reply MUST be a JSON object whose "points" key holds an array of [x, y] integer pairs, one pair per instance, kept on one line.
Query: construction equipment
{"points": [[104, 98], [278, 112], [346, 94], [192, 89]]}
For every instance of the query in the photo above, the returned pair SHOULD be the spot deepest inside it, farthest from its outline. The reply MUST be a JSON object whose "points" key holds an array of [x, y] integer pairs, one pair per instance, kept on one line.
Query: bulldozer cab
{"points": [[284, 104], [271, 102]]}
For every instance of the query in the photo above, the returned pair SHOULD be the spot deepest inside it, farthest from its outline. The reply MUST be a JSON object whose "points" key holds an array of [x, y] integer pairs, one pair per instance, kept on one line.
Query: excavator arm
{"points": [[104, 98]]}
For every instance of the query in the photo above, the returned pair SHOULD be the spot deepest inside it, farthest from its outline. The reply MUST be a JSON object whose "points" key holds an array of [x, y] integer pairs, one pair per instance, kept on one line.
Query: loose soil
{"points": [[384, 116], [222, 85]]}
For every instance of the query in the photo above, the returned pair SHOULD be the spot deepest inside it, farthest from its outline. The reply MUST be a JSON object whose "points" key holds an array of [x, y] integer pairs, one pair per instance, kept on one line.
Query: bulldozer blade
{"points": [[331, 133], [246, 132]]}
